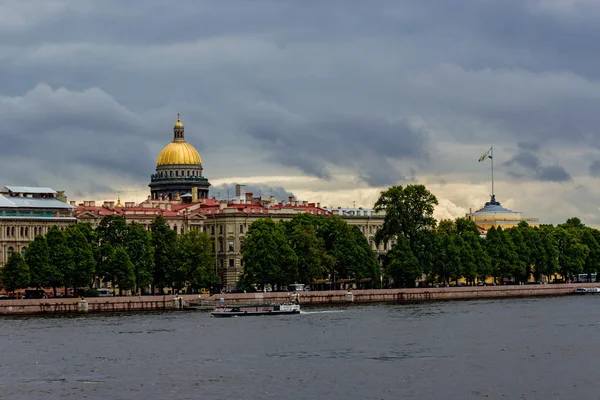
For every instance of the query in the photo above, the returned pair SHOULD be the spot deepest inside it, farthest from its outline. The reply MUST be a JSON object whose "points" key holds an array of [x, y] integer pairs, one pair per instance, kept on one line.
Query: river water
{"points": [[545, 348]]}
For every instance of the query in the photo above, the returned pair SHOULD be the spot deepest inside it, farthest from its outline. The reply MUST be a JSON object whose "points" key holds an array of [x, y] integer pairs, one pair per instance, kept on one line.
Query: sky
{"points": [[332, 101]]}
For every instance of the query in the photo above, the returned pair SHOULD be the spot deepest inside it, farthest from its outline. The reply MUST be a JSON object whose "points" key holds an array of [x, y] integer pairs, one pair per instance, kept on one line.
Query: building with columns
{"points": [[26, 212]]}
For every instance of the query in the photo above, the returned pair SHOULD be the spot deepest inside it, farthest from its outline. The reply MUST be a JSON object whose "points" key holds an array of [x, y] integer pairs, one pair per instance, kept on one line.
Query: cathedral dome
{"points": [[179, 152]]}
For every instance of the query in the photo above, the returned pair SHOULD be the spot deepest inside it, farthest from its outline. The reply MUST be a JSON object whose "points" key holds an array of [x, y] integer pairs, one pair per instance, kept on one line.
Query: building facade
{"points": [[26, 212], [227, 222]]}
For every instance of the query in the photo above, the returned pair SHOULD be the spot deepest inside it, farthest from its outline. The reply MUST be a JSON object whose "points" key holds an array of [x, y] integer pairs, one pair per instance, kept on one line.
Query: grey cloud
{"points": [[529, 146], [366, 145], [595, 168], [530, 166], [553, 173], [503, 72]]}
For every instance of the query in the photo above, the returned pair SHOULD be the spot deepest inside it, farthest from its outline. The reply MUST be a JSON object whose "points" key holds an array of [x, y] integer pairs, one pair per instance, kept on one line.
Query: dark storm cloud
{"points": [[466, 72], [227, 191], [366, 145], [62, 129], [595, 168], [528, 165]]}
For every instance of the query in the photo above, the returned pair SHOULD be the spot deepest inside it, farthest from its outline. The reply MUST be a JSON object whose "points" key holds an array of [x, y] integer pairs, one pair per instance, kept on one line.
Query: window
{"points": [[231, 263], [231, 246], [220, 229], [23, 251], [175, 228], [212, 230], [188, 173], [182, 229], [26, 231], [9, 252], [241, 228], [176, 173], [12, 231], [22, 233]]}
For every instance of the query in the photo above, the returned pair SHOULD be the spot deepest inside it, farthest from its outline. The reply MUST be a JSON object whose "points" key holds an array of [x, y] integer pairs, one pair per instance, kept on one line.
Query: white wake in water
{"points": [[321, 312]]}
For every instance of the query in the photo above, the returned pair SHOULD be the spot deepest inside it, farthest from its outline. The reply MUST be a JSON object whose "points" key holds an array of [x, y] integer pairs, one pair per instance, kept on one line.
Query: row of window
{"points": [[23, 231], [171, 174]]}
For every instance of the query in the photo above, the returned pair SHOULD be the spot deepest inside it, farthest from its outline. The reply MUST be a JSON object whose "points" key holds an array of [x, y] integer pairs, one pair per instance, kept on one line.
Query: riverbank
{"points": [[183, 302]]}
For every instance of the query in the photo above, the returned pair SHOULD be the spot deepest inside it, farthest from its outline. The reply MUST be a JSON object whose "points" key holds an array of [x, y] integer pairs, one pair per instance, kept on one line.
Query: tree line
{"points": [[127, 255], [304, 249], [448, 251]]}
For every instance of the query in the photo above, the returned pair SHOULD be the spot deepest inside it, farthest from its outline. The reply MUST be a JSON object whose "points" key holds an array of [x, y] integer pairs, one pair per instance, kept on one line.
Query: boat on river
{"points": [[255, 309], [591, 290]]}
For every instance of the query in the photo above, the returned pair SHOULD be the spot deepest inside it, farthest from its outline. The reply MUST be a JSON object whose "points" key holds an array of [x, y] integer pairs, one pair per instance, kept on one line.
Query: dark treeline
{"points": [[127, 255], [454, 250], [308, 248], [304, 249]]}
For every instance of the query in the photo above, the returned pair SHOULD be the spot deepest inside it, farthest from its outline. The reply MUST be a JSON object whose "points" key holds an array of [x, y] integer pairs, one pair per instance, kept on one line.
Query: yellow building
{"points": [[493, 214]]}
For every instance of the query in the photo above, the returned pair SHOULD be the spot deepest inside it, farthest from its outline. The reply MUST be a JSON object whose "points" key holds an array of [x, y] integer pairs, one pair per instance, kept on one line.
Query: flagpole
{"points": [[492, 153]]}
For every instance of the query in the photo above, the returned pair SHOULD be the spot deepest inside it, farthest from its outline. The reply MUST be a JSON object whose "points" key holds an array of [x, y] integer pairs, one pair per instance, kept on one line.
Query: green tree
{"points": [[60, 258], [310, 251], [82, 274], [164, 242], [407, 211], [402, 265], [267, 255], [571, 253], [122, 269], [141, 252], [521, 265], [38, 259], [592, 261], [15, 274], [198, 260]]}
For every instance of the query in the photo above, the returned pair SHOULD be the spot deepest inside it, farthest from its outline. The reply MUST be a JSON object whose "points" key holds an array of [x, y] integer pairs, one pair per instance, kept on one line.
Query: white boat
{"points": [[591, 290]]}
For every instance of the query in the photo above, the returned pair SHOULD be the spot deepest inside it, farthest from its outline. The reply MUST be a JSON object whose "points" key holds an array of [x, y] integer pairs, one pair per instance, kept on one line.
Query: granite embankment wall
{"points": [[163, 303], [402, 295]]}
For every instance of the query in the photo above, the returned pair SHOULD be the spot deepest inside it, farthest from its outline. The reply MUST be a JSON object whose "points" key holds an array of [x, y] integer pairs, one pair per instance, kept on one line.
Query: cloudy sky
{"points": [[331, 100]]}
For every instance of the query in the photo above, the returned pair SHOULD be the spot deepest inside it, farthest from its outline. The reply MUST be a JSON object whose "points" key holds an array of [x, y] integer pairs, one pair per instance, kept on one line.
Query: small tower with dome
{"points": [[178, 170]]}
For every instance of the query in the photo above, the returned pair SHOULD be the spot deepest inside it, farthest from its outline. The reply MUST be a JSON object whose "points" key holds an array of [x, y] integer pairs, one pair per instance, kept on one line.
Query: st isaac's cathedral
{"points": [[179, 171]]}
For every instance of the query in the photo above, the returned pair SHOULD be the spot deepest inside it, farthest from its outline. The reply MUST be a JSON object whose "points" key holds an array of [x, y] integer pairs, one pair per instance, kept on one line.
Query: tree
{"points": [[15, 274], [197, 260], [164, 242], [84, 263], [267, 255], [407, 211], [402, 265], [571, 252], [111, 232], [310, 251], [60, 258], [122, 269], [141, 252], [37, 258]]}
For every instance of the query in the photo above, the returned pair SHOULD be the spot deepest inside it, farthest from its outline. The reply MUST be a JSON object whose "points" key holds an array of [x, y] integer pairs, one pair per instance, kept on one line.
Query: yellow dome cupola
{"points": [[179, 152]]}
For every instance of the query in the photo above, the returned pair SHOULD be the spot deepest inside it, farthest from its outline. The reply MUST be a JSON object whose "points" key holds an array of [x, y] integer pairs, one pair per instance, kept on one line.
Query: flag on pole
{"points": [[488, 154]]}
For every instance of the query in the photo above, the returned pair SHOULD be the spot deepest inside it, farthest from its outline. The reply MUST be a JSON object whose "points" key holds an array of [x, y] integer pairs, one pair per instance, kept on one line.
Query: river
{"points": [[536, 348]]}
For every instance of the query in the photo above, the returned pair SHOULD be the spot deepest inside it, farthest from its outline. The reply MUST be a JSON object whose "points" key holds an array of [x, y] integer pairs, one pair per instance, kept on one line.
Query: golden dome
{"points": [[179, 153]]}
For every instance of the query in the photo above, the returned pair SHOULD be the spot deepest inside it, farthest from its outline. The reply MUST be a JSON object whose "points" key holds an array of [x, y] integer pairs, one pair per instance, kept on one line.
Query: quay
{"points": [[125, 304]]}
